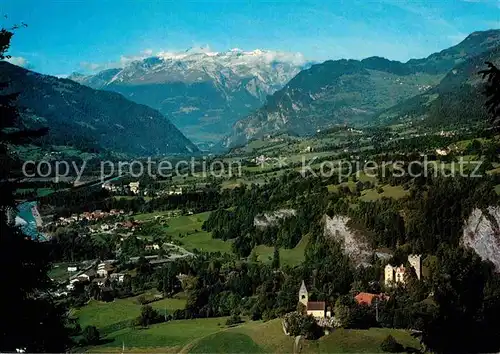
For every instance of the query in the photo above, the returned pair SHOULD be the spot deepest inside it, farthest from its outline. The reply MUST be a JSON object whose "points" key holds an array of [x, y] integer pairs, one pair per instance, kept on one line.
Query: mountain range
{"points": [[244, 95], [88, 119], [202, 92], [357, 91], [456, 100]]}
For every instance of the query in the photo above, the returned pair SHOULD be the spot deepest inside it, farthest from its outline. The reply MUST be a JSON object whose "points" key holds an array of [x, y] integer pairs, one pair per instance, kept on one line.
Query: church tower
{"points": [[303, 295]]}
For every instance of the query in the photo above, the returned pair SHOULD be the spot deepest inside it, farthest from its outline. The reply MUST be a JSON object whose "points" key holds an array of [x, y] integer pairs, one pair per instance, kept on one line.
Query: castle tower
{"points": [[389, 274], [414, 260], [303, 295]]}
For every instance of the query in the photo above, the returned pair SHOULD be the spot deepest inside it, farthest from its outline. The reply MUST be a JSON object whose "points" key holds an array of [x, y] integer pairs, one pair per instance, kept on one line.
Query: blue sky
{"points": [[67, 35]]}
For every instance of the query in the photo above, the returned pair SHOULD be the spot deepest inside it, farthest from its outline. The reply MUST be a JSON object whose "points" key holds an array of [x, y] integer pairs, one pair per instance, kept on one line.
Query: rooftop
{"points": [[367, 298], [316, 306]]}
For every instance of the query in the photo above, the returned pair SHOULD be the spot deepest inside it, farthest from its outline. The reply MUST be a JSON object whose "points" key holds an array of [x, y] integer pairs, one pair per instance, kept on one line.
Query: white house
{"points": [[152, 247], [118, 277], [104, 269], [176, 191], [134, 187], [83, 277]]}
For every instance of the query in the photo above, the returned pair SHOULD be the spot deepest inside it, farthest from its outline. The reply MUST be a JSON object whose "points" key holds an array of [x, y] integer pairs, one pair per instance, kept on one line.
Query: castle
{"points": [[394, 275], [315, 308]]}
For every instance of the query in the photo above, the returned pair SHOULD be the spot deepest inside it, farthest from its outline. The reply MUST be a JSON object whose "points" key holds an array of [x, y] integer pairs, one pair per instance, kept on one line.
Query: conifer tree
{"points": [[30, 320], [276, 258], [492, 92]]}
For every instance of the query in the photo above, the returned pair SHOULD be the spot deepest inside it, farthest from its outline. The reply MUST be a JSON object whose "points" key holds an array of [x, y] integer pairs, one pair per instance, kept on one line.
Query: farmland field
{"points": [[107, 316], [166, 337], [193, 237], [189, 228], [395, 192], [358, 341]]}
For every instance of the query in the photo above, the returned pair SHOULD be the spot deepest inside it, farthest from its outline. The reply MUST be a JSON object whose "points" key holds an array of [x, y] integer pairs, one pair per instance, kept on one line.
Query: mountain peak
{"points": [[197, 83]]}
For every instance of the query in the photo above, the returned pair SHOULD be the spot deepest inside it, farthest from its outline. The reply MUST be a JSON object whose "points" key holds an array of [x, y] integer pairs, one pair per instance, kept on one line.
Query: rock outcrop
{"points": [[482, 234]]}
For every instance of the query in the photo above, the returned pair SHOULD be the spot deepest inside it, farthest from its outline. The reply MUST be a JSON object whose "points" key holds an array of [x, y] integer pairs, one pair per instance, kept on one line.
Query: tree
{"points": [[148, 316], [462, 322], [390, 345], [350, 314], [94, 291], [492, 92], [143, 266], [91, 335], [253, 256], [35, 323], [276, 258], [234, 319], [168, 282], [301, 308], [302, 325]]}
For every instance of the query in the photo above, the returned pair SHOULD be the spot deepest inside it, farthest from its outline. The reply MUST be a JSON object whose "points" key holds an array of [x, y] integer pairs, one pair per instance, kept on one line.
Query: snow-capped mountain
{"points": [[203, 92]]}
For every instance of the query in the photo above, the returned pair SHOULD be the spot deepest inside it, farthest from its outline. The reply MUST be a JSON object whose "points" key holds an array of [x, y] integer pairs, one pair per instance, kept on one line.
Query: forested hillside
{"points": [[456, 100], [352, 91], [88, 119]]}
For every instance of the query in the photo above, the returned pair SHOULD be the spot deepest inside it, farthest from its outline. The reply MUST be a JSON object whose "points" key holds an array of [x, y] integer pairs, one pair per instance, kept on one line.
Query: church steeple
{"points": [[303, 295]]}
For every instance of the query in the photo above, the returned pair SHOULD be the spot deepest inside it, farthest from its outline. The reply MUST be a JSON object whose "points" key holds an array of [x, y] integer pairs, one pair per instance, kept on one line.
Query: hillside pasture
{"points": [[110, 316], [290, 257], [187, 230], [210, 335]]}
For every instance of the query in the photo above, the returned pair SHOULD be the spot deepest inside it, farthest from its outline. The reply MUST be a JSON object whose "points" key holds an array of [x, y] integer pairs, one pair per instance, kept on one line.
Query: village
{"points": [[134, 188]]}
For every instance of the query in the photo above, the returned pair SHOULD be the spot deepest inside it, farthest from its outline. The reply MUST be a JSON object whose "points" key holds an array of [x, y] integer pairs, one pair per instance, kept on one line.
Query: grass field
{"points": [[203, 241], [210, 335], [332, 188], [189, 226], [109, 316], [395, 192], [290, 257], [358, 341], [151, 216], [268, 336], [164, 337], [59, 271], [130, 197], [226, 342], [193, 236], [232, 183]]}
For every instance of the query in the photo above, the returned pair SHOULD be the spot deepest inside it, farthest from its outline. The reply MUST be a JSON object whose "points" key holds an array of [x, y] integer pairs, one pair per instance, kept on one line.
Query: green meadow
{"points": [[211, 335], [109, 316], [187, 230], [290, 257]]}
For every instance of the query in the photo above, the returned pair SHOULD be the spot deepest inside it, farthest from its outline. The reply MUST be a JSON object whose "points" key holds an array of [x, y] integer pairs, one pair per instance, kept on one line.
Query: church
{"points": [[315, 308]]}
